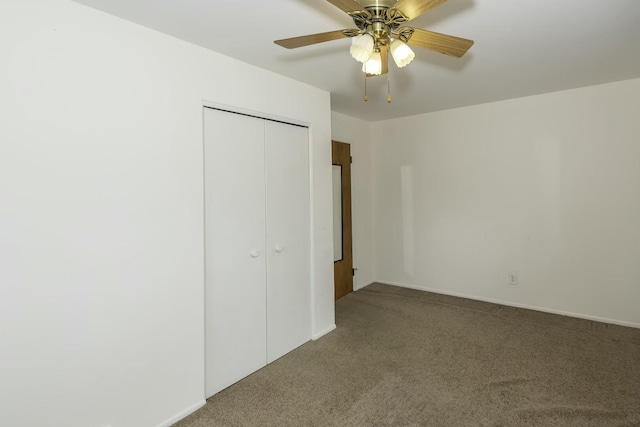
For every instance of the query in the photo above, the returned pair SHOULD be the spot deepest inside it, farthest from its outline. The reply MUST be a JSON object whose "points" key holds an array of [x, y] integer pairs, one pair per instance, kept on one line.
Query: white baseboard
{"points": [[183, 414], [513, 304], [364, 285], [323, 333]]}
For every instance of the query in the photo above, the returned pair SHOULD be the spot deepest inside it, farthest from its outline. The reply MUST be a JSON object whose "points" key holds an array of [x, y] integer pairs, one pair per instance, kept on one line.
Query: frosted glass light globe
{"points": [[361, 47], [401, 53], [373, 65]]}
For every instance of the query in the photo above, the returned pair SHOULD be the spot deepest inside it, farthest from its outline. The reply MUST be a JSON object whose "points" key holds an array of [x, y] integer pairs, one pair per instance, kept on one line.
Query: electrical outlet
{"points": [[513, 278]]}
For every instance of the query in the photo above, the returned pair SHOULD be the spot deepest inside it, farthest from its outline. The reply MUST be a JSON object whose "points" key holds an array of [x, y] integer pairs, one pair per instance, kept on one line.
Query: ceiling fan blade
{"points": [[449, 45], [346, 5], [314, 38], [414, 8], [384, 57]]}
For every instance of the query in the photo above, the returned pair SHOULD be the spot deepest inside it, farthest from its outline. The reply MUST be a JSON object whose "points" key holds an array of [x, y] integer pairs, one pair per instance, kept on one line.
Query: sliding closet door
{"points": [[235, 243], [288, 238]]}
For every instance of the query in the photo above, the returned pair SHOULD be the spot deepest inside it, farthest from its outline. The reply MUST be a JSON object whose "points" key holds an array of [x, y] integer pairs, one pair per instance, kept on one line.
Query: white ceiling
{"points": [[522, 47]]}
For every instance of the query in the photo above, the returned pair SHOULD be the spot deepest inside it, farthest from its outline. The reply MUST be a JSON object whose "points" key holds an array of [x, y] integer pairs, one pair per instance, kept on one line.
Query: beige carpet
{"points": [[408, 358]]}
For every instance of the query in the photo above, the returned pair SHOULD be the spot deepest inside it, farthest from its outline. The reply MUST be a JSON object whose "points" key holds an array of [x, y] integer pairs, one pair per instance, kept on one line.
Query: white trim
{"points": [[204, 256], [258, 114], [514, 304], [190, 410], [312, 237], [364, 285], [323, 333]]}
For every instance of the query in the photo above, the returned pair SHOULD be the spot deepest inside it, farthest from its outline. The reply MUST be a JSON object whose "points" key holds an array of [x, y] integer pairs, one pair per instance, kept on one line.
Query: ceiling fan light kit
{"points": [[380, 29]]}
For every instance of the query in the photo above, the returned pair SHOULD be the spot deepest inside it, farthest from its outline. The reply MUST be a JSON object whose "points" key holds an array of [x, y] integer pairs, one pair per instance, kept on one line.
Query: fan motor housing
{"points": [[380, 19]]}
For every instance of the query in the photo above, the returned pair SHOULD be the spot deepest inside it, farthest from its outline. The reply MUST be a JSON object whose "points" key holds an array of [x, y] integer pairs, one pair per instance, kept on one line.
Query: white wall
{"points": [[101, 212], [357, 133], [547, 186]]}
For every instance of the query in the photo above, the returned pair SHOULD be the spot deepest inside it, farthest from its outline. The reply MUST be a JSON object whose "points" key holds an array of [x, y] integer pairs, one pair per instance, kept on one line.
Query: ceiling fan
{"points": [[380, 30]]}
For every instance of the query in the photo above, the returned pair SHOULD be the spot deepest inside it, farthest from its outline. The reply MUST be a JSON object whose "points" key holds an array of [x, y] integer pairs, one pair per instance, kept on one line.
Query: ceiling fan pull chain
{"points": [[389, 90], [366, 98]]}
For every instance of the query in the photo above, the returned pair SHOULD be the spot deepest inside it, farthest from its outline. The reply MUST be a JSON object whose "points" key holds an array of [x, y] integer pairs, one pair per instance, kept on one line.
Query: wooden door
{"points": [[235, 263], [343, 255], [288, 238]]}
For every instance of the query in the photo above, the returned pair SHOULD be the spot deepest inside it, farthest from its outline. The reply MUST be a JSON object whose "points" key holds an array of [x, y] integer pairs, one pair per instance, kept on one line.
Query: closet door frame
{"points": [[286, 120]]}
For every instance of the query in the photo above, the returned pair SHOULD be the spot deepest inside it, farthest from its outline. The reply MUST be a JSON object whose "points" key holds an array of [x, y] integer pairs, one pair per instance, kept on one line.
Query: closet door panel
{"points": [[235, 243], [288, 238]]}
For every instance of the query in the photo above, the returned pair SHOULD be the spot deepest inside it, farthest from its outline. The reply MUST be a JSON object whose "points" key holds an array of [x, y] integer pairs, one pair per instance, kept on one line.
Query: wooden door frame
{"points": [[343, 269]]}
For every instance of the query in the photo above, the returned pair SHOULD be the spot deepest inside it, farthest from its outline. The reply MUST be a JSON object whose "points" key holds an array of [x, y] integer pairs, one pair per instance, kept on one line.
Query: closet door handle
{"points": [[255, 254], [279, 249]]}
